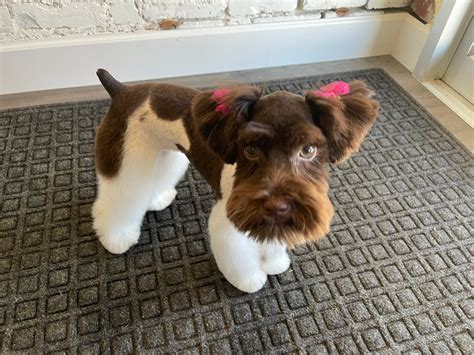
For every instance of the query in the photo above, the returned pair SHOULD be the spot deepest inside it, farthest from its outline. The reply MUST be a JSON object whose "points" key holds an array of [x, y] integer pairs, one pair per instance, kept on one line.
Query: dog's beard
{"points": [[308, 219]]}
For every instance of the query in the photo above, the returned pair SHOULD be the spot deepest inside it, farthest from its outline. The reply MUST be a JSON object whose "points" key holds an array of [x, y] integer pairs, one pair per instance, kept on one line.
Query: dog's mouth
{"points": [[292, 219]]}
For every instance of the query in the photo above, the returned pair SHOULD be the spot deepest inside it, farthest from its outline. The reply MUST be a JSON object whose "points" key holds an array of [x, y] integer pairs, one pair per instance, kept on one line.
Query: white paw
{"points": [[275, 264], [163, 200], [250, 283], [119, 242]]}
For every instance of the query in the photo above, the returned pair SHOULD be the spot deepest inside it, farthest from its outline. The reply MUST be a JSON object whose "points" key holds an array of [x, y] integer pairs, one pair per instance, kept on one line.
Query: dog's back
{"points": [[159, 110]]}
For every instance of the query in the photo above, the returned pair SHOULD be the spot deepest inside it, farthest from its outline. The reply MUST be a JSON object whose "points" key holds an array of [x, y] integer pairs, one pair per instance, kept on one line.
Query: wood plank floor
{"points": [[461, 130]]}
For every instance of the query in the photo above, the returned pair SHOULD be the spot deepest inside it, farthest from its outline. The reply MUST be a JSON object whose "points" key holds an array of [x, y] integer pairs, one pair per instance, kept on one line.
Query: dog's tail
{"points": [[112, 85]]}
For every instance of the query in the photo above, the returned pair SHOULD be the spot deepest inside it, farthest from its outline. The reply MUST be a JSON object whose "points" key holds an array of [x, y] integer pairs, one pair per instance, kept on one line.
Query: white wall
{"points": [[43, 65], [47, 19]]}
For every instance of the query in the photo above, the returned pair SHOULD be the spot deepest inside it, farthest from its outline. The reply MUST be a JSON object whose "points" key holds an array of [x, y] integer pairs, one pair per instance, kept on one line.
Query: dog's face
{"points": [[280, 187], [282, 143]]}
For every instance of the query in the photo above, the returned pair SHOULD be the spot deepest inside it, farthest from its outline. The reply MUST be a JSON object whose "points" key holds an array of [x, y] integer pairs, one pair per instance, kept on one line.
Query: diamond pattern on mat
{"points": [[394, 275]]}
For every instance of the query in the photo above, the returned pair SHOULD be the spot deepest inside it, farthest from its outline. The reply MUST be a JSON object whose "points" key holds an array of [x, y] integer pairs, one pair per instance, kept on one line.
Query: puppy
{"points": [[265, 157]]}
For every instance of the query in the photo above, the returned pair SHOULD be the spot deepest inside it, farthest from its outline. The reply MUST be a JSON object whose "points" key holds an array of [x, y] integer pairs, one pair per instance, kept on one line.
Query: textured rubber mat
{"points": [[394, 275]]}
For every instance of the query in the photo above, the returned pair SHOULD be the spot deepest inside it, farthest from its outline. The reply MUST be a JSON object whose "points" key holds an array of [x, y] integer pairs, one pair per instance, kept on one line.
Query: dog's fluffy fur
{"points": [[266, 159]]}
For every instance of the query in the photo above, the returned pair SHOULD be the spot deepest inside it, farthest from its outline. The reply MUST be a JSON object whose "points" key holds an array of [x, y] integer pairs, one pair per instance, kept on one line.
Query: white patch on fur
{"points": [[148, 170], [274, 259], [237, 256], [227, 180], [171, 166], [169, 133], [162, 199], [243, 262]]}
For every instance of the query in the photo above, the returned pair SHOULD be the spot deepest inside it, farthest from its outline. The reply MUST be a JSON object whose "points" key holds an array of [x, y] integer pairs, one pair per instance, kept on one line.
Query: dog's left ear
{"points": [[345, 120], [219, 114]]}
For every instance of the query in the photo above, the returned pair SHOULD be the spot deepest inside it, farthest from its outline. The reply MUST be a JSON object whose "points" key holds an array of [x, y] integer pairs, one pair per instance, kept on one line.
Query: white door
{"points": [[460, 72]]}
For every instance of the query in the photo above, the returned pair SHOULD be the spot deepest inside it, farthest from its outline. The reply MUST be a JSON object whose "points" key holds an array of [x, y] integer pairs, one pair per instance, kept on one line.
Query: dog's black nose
{"points": [[278, 206]]}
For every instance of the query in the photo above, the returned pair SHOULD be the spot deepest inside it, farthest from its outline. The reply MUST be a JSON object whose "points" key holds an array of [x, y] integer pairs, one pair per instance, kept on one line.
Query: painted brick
{"points": [[192, 9], [236, 21], [383, 4], [45, 19], [69, 15], [202, 23], [314, 5], [248, 7], [425, 9], [270, 19], [124, 13], [354, 12], [6, 23]]}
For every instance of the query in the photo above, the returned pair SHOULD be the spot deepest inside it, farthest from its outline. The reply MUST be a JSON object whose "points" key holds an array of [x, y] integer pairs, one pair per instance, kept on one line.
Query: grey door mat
{"points": [[394, 275]]}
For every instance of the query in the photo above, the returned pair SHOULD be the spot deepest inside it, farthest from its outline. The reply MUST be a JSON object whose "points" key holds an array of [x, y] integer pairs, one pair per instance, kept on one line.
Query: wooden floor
{"points": [[461, 130]]}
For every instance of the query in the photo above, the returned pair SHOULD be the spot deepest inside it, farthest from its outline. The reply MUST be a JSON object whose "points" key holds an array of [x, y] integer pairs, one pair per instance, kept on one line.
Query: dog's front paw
{"points": [[162, 200], [275, 264], [250, 283], [119, 242]]}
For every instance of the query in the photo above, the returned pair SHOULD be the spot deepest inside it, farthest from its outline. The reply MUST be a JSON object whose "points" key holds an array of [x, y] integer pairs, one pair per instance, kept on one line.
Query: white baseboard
{"points": [[410, 42], [462, 107], [143, 56]]}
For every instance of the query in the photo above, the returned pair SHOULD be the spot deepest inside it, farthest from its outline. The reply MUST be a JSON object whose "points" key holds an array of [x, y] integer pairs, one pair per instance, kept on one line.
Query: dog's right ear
{"points": [[218, 115]]}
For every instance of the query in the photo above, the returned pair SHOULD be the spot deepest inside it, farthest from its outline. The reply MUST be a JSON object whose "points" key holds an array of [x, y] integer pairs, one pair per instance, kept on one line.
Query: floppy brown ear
{"points": [[345, 120], [218, 121]]}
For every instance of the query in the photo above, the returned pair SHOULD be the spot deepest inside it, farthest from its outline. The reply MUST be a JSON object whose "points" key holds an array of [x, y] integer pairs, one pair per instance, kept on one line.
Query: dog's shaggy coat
{"points": [[265, 157]]}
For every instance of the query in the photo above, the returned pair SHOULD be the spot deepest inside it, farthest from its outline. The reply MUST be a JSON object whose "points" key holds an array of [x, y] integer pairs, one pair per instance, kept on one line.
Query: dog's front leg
{"points": [[274, 259], [237, 256]]}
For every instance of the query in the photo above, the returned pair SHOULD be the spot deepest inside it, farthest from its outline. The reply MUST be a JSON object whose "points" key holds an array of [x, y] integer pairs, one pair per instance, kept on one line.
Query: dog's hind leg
{"points": [[123, 199], [121, 204], [171, 166], [118, 212]]}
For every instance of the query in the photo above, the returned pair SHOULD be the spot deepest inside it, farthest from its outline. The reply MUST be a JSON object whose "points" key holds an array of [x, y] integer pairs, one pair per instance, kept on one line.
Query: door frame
{"points": [[446, 33]]}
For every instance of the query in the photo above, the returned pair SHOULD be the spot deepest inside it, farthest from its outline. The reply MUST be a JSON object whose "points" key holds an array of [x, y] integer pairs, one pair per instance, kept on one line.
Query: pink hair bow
{"points": [[334, 89], [218, 97]]}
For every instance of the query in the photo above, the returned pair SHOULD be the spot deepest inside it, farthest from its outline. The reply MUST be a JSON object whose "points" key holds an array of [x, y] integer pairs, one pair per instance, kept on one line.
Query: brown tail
{"points": [[112, 85]]}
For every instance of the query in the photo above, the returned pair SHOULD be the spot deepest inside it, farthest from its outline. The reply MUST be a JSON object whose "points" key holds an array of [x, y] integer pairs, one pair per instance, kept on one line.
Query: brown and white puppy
{"points": [[265, 157]]}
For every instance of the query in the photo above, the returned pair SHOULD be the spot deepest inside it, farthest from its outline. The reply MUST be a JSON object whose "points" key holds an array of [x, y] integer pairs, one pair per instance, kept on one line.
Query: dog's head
{"points": [[282, 143]]}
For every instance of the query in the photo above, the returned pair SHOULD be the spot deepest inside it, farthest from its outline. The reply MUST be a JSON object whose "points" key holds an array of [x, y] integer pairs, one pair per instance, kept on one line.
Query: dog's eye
{"points": [[251, 152], [308, 152]]}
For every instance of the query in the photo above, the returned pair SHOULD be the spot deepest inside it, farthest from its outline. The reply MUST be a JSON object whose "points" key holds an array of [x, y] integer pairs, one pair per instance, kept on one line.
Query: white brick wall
{"points": [[124, 13], [382, 4], [314, 5], [70, 15], [182, 9], [255, 7], [45, 19], [6, 22]]}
